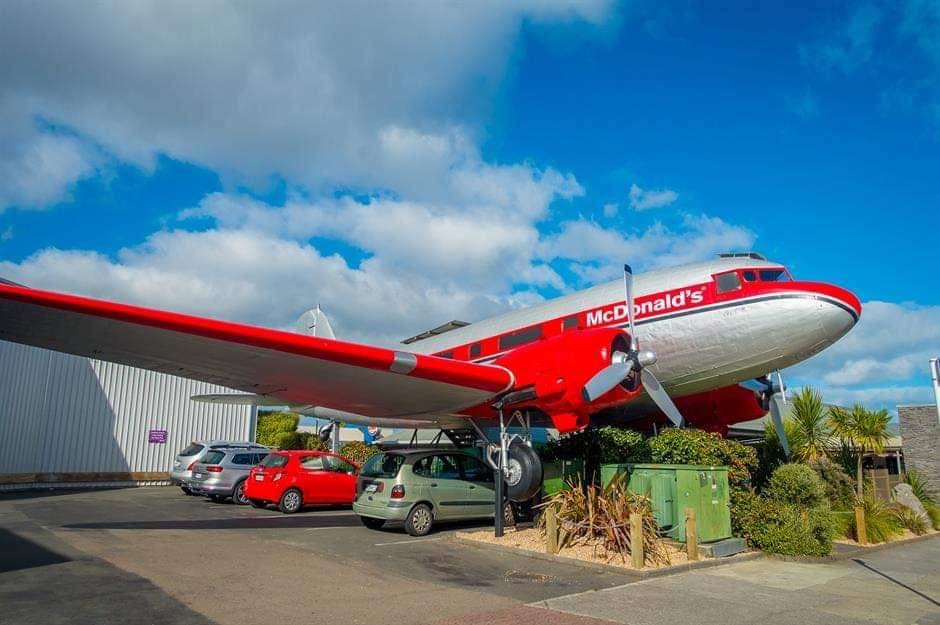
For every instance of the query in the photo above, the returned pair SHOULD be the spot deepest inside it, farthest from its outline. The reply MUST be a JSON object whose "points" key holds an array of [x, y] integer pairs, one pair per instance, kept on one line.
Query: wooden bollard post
{"points": [[691, 534], [551, 530], [860, 530], [636, 540]]}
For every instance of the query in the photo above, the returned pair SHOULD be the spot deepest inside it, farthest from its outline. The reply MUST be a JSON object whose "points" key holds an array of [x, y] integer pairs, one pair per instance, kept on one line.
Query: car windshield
{"points": [[274, 460], [192, 450], [383, 465], [213, 457]]}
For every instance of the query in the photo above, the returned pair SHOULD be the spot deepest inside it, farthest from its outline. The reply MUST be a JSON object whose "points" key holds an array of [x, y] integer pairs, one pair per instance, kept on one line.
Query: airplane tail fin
{"points": [[315, 323]]}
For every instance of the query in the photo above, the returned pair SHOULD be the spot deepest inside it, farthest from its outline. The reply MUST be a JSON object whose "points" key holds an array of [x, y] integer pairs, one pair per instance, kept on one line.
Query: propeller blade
{"points": [[776, 413], [606, 379], [628, 291], [662, 399], [783, 388]]}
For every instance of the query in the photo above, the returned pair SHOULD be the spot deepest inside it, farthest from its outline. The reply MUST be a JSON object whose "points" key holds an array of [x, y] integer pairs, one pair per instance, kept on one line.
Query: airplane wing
{"points": [[291, 368]]}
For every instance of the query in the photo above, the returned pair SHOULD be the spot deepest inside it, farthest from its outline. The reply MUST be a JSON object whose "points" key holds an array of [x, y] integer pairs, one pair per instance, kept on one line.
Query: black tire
{"points": [[257, 503], [525, 472], [238, 494], [187, 492], [217, 498], [419, 521], [372, 523], [509, 515], [291, 501]]}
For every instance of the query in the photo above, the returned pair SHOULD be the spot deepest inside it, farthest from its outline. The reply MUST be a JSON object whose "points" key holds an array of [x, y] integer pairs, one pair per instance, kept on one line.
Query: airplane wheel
{"points": [[524, 477]]}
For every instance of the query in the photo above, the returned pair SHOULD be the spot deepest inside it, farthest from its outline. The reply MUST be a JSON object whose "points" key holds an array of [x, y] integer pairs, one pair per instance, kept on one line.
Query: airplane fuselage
{"points": [[712, 324]]}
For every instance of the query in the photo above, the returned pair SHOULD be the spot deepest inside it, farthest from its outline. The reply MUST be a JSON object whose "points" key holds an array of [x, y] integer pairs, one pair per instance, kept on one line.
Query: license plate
{"points": [[371, 488], [199, 476], [259, 478]]}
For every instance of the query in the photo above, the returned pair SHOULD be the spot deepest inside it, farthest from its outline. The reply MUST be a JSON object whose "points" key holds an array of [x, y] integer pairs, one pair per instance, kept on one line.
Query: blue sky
{"points": [[405, 165]]}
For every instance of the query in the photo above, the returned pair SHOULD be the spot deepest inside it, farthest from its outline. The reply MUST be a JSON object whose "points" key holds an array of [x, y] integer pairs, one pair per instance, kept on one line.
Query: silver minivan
{"points": [[222, 472], [185, 460]]}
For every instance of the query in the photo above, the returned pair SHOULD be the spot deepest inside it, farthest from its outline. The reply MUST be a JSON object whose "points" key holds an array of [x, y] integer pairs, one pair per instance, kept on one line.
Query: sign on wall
{"points": [[156, 436]]}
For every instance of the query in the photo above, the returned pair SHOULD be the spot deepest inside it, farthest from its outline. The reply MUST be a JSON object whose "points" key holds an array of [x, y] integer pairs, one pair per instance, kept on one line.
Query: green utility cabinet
{"points": [[557, 475], [674, 487]]}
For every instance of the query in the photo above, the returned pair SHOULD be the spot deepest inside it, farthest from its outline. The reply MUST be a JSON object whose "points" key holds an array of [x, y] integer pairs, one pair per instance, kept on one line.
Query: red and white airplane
{"points": [[707, 334]]}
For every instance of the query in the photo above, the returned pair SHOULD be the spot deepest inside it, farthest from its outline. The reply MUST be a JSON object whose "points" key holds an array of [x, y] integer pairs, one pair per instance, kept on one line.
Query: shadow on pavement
{"points": [[265, 522], [864, 564], [18, 553]]}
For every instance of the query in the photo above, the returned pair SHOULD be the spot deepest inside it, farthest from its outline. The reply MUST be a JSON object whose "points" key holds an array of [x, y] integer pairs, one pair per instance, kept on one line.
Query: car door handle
{"points": [[472, 487], [433, 484]]}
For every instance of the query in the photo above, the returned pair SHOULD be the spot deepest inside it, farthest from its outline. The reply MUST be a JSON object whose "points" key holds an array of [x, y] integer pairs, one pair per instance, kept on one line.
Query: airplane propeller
{"points": [[624, 363], [773, 398]]}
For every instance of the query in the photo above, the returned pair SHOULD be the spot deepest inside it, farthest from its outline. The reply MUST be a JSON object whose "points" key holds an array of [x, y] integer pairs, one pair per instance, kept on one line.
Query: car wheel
{"points": [[217, 498], [257, 503], [509, 515], [524, 472], [186, 491], [419, 520], [291, 501], [238, 494], [372, 523]]}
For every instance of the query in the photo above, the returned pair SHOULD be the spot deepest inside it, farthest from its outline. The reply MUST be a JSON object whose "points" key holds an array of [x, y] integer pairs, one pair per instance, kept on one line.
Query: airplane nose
{"points": [[841, 308]]}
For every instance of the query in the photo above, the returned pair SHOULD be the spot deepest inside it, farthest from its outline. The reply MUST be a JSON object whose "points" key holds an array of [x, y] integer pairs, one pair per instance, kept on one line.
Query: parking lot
{"points": [[151, 555]]}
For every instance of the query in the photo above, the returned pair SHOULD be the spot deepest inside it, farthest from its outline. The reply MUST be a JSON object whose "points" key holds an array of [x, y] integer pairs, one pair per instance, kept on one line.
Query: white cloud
{"points": [[887, 397], [7, 234], [851, 45], [320, 94], [642, 200], [610, 209]]}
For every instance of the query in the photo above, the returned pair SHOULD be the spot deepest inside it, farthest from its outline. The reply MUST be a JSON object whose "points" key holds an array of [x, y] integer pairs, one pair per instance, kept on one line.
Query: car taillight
{"points": [[191, 465], [398, 491], [214, 468]]}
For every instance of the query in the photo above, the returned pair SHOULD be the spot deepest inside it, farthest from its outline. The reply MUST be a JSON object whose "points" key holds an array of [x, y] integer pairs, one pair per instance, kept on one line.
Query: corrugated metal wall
{"points": [[66, 414]]}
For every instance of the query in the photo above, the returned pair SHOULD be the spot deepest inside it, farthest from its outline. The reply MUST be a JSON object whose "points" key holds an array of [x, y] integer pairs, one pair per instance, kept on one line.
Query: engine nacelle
{"points": [[557, 368]]}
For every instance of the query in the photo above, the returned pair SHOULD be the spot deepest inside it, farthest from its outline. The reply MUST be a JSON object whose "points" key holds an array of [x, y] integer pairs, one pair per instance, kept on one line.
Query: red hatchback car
{"points": [[293, 479]]}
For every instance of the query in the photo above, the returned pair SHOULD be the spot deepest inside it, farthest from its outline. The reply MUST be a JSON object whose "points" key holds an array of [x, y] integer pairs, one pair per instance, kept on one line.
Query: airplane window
{"points": [[728, 282], [446, 355], [750, 276], [475, 350], [520, 338], [570, 323], [774, 275]]}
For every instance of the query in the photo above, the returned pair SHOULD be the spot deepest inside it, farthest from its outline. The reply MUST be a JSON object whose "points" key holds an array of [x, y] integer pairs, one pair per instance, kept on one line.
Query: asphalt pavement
{"points": [[154, 556]]}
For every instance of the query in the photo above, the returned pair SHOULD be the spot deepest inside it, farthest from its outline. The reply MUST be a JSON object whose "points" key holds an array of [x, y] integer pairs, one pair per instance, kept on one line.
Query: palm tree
{"points": [[866, 429], [810, 440]]}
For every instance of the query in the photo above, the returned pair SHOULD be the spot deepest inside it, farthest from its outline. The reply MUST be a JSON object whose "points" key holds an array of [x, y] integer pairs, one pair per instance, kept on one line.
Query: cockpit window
{"points": [[774, 275], [749, 276], [728, 282]]}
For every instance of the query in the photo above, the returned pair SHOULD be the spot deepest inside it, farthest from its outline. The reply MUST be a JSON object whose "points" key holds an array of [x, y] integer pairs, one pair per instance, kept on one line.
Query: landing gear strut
{"points": [[518, 470]]}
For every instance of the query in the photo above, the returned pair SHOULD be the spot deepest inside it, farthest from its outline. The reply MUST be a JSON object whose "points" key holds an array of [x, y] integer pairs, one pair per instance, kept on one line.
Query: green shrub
{"points": [[920, 486], [272, 425], [596, 446], [796, 484], [777, 527], [881, 525], [619, 445], [843, 523], [909, 519], [686, 446], [358, 452], [313, 442], [933, 511], [840, 488]]}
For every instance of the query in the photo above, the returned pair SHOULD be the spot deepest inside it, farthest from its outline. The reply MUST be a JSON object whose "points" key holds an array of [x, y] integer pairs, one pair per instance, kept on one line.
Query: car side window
{"points": [[475, 471], [422, 466], [340, 466], [259, 458], [445, 467], [244, 459], [312, 463]]}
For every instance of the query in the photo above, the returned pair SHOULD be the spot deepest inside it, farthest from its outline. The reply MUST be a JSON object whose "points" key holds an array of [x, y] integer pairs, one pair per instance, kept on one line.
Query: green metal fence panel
{"points": [[557, 475]]}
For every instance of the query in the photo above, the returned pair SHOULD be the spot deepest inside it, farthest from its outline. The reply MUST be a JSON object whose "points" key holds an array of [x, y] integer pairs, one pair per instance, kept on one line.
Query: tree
{"points": [[810, 440], [867, 430]]}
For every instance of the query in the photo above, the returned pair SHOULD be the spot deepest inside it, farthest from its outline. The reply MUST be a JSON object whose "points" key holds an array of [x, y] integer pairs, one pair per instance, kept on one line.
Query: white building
{"points": [[71, 421]]}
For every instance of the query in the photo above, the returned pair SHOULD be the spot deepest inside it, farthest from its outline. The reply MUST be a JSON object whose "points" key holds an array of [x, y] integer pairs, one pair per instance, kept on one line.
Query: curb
{"points": [[610, 568]]}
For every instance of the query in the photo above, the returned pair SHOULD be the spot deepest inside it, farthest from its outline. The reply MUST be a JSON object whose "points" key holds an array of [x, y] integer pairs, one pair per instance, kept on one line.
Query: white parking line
{"points": [[409, 541]]}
